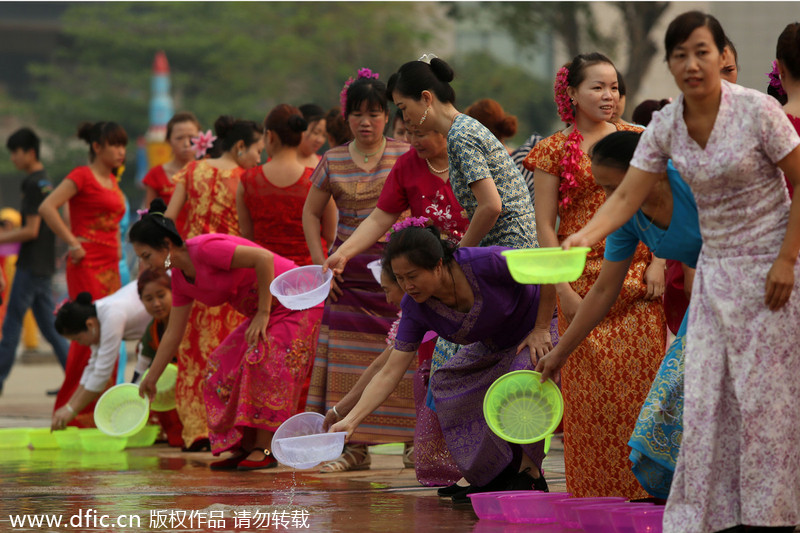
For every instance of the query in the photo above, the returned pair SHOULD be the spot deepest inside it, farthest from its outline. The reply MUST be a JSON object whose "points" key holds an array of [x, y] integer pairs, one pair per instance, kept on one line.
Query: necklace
{"points": [[435, 170], [367, 156], [647, 227]]}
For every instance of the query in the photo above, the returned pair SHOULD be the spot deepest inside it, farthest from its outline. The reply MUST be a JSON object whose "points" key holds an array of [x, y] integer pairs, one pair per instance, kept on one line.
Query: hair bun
{"points": [[84, 298], [223, 125], [157, 206], [297, 123], [85, 131], [507, 126], [442, 70]]}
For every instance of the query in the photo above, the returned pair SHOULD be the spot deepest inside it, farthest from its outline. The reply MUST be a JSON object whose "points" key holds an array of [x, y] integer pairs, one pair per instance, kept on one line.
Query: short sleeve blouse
{"points": [[95, 211]]}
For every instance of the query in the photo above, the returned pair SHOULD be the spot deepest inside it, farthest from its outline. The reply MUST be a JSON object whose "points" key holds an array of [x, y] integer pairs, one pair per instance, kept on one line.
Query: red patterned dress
{"points": [[95, 212], [210, 208], [606, 379], [277, 214], [158, 180]]}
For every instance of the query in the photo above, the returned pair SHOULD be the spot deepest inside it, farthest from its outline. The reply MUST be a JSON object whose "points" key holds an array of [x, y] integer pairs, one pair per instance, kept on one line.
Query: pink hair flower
{"points": [[775, 79], [418, 222], [362, 73], [202, 143], [565, 110]]}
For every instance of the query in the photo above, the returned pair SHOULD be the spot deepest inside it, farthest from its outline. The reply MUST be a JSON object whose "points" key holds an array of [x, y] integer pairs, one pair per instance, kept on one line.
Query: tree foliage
{"points": [[225, 57], [577, 26]]}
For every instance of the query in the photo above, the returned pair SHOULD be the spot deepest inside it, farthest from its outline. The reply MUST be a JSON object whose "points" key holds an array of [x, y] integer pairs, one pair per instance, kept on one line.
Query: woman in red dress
{"points": [[158, 182], [270, 197], [96, 206], [205, 195]]}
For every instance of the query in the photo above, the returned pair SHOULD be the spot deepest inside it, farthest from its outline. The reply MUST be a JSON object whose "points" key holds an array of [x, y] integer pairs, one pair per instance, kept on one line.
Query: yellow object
{"points": [[539, 266]]}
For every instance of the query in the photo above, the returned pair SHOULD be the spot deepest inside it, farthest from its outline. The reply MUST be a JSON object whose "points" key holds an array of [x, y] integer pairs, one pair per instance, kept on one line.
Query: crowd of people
{"points": [[694, 235]]}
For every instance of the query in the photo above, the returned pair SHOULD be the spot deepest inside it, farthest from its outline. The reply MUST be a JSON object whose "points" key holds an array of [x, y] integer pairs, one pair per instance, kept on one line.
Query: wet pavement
{"points": [[163, 489]]}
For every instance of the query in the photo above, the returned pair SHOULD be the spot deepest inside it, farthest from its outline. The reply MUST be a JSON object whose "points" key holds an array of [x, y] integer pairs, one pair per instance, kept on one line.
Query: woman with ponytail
{"points": [[100, 327], [205, 200], [96, 206], [605, 382], [270, 197], [255, 374]]}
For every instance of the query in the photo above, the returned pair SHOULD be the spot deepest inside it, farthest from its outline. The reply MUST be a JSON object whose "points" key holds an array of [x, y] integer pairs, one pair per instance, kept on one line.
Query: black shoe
{"points": [[200, 445], [524, 481], [53, 392], [453, 489]]}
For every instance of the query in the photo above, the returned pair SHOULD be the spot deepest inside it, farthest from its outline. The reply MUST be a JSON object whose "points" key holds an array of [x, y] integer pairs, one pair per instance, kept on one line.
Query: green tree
{"points": [[577, 26], [225, 58]]}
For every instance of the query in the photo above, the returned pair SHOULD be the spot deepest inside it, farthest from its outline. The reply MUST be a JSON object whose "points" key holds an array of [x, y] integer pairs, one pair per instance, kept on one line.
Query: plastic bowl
{"points": [[533, 507], [145, 437], [520, 409], [648, 520], [487, 504], [43, 439], [165, 387], [565, 510], [597, 518], [375, 267], [120, 412], [309, 450], [536, 266], [302, 287], [299, 425], [68, 438], [94, 440], [15, 437]]}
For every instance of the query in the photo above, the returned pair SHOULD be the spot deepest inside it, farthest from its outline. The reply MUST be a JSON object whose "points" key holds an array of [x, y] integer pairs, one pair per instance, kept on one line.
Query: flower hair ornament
{"points": [[202, 143], [362, 73], [775, 79], [416, 222], [60, 305], [570, 164]]}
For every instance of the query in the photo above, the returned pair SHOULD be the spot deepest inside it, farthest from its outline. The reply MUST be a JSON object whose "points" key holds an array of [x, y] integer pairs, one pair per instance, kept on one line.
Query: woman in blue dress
{"points": [[667, 223]]}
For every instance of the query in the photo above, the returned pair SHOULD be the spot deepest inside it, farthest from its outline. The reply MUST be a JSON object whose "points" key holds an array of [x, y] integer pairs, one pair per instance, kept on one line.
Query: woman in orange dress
{"points": [[96, 206], [205, 195], [605, 385], [158, 182]]}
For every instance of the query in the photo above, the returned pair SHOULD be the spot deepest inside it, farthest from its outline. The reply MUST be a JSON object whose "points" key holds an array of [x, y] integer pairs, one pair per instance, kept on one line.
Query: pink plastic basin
{"points": [[533, 507], [487, 506], [648, 521], [597, 518], [565, 509]]}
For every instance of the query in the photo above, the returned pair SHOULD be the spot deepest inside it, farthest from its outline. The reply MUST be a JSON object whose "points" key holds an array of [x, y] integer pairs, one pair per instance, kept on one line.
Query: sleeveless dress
{"points": [[657, 435]]}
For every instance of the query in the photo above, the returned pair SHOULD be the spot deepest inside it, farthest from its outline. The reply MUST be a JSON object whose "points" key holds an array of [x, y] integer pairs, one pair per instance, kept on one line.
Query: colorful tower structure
{"points": [[156, 150]]}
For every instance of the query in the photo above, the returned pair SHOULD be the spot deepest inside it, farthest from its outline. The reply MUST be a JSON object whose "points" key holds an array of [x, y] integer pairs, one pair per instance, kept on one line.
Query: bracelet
{"points": [[336, 412], [69, 408], [75, 247]]}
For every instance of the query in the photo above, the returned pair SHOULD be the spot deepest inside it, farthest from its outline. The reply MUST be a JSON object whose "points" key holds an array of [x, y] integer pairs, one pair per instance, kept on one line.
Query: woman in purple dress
{"points": [[468, 297]]}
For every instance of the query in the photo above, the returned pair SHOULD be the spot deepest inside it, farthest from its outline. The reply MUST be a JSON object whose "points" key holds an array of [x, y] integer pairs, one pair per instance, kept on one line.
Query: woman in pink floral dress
{"points": [[739, 462]]}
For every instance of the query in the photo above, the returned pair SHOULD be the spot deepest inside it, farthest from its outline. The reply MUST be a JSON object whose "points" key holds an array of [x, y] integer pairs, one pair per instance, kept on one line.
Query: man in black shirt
{"points": [[31, 288]]}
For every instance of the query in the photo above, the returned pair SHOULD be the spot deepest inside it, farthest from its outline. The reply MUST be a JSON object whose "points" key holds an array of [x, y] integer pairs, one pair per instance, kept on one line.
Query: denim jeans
{"points": [[29, 291]]}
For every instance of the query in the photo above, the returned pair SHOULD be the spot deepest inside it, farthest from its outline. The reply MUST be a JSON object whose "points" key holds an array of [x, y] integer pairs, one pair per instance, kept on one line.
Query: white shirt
{"points": [[122, 317]]}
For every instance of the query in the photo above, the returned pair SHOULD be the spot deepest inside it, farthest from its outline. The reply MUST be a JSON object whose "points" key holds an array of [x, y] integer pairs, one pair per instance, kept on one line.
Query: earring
{"points": [[424, 115], [168, 261], [239, 153]]}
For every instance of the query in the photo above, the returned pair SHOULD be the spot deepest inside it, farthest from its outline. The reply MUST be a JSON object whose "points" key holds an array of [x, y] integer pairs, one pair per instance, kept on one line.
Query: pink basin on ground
{"points": [[487, 506], [597, 518], [533, 507], [648, 521], [565, 509]]}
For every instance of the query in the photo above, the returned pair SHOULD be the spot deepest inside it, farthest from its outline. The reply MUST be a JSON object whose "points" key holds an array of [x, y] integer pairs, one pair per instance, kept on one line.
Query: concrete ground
{"points": [[163, 489]]}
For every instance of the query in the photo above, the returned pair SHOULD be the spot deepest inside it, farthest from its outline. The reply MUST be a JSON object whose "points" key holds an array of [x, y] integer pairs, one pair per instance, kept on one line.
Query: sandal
{"points": [[267, 462], [408, 455], [231, 462], [354, 457]]}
